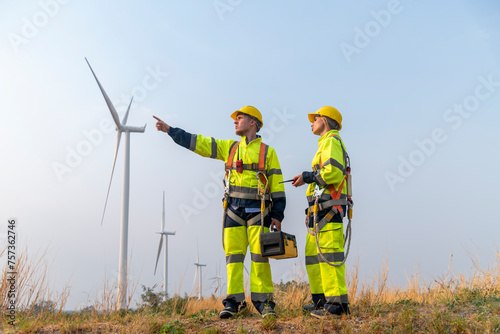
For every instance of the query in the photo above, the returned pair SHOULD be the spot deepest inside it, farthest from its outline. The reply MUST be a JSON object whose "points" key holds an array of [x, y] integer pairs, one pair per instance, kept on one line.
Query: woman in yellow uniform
{"points": [[327, 189]]}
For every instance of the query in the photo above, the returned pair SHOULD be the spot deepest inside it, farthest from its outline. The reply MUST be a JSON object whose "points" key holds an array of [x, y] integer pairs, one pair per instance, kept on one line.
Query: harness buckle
{"points": [[318, 192], [261, 188], [225, 182]]}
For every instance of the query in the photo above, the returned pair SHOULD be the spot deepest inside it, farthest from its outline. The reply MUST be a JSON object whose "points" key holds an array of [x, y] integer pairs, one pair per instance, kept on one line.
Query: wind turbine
{"points": [[199, 268], [121, 128], [165, 234], [218, 280]]}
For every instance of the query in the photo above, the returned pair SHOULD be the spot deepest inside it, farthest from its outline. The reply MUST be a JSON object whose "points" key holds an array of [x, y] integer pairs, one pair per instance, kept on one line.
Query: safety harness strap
{"points": [[246, 193], [260, 166], [332, 202], [235, 194], [336, 194], [236, 218], [257, 218], [262, 157], [252, 166], [324, 196], [326, 219], [232, 151]]}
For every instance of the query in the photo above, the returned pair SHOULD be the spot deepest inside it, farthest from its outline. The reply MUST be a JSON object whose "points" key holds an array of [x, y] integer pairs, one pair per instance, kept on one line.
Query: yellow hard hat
{"points": [[327, 111], [251, 111]]}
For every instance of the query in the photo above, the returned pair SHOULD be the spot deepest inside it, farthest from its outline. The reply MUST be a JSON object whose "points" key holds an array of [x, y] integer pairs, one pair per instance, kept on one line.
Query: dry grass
{"points": [[448, 304], [32, 285]]}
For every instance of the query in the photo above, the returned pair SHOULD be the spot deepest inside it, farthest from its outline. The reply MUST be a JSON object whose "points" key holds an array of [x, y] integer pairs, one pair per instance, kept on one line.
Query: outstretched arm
{"points": [[204, 146]]}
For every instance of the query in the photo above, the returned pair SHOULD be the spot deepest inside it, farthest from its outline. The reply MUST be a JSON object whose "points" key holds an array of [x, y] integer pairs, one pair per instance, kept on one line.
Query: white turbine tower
{"points": [[165, 234], [121, 128], [199, 268]]}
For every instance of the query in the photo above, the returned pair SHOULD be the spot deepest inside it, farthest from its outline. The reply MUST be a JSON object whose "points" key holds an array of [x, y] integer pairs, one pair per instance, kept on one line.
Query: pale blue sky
{"points": [[193, 66]]}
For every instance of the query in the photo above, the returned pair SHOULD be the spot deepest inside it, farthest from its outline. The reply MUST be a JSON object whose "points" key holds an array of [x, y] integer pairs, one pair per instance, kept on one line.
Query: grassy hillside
{"points": [[448, 305]]}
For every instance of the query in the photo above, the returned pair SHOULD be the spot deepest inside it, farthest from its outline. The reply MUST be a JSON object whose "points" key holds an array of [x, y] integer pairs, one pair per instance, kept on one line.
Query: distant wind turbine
{"points": [[121, 128], [218, 281], [199, 268], [165, 234]]}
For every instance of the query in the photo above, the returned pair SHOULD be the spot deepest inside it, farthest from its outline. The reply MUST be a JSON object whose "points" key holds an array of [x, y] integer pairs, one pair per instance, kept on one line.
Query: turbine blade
{"points": [[159, 251], [112, 109], [128, 109], [163, 215], [118, 137]]}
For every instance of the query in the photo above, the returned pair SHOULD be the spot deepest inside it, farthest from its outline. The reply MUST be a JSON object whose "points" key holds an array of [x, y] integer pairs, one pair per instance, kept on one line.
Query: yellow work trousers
{"points": [[242, 229], [326, 281]]}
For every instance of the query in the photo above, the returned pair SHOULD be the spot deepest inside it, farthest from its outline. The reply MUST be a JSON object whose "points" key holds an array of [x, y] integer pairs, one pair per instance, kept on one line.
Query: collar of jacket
{"points": [[244, 141], [326, 135]]}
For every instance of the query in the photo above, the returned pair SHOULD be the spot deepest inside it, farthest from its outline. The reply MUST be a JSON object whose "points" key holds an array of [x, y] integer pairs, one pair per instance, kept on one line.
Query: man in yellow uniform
{"points": [[252, 191], [327, 189]]}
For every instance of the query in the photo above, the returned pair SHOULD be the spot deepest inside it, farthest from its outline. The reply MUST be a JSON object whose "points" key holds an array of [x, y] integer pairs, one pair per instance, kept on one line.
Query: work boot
{"points": [[331, 310], [227, 312], [309, 308], [321, 314], [231, 309], [338, 309], [268, 311]]}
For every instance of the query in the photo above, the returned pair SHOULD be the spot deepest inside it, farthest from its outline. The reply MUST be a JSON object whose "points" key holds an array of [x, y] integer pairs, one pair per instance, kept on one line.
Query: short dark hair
{"points": [[258, 123]]}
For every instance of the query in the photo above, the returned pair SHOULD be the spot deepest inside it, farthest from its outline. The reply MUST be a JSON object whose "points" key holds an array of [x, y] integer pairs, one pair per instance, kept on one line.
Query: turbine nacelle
{"points": [[166, 233], [127, 128], [200, 265]]}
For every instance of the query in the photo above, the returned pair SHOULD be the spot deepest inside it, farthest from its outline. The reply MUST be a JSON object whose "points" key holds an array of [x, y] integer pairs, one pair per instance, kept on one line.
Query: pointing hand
{"points": [[161, 125]]}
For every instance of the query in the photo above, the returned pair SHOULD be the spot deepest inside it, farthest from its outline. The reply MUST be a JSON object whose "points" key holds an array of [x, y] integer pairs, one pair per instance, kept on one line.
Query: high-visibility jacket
{"points": [[329, 166], [242, 186]]}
